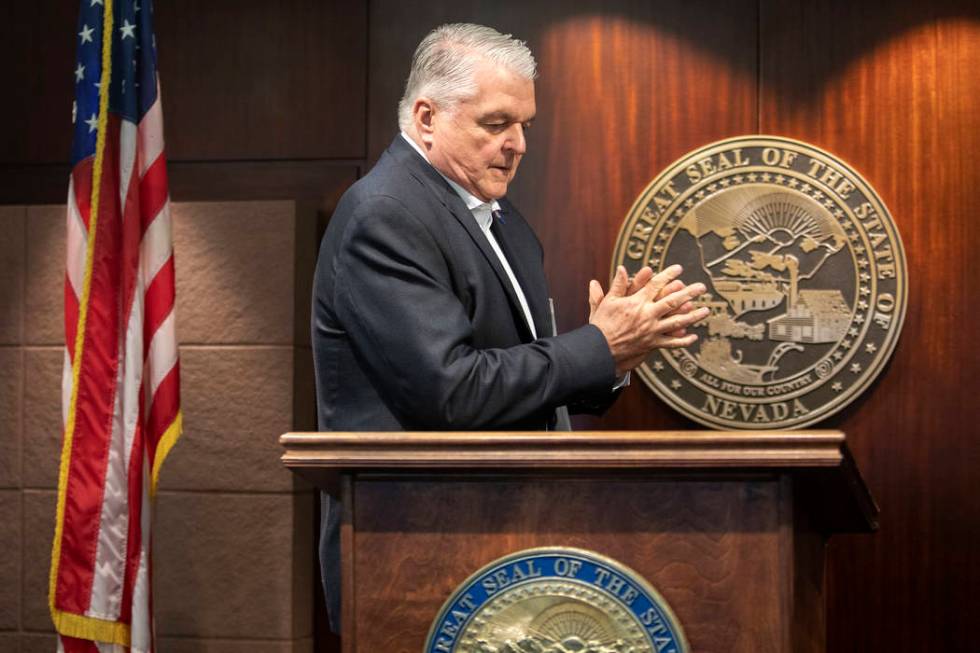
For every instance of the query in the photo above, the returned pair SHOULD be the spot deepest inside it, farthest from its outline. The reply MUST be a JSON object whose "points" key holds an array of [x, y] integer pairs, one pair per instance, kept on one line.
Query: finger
{"points": [[619, 283], [686, 307], [661, 279], [679, 333], [676, 343], [675, 300], [675, 322], [673, 286], [640, 279], [595, 295]]}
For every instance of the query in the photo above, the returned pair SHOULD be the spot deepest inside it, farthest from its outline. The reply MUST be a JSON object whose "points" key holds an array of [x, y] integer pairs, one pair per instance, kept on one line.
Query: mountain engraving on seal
{"points": [[761, 255], [806, 278]]}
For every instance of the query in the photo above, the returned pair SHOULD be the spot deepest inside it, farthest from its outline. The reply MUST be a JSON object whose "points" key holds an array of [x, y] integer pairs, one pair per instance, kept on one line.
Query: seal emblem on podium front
{"points": [[806, 276], [555, 600]]}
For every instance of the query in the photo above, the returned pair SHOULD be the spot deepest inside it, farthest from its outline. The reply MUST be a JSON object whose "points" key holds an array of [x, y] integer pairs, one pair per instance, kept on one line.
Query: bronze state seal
{"points": [[806, 281], [555, 600]]}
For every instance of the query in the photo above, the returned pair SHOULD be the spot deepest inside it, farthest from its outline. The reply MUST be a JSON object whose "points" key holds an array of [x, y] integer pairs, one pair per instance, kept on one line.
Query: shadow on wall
{"points": [[730, 34]]}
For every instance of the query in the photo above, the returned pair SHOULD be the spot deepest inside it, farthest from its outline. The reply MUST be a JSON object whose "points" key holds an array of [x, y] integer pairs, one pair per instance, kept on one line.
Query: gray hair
{"points": [[444, 63]]}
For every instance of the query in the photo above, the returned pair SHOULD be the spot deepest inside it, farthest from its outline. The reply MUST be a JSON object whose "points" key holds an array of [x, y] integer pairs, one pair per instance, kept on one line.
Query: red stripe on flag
{"points": [[81, 176], [75, 645], [163, 410], [132, 234], [71, 317], [158, 302], [96, 388], [153, 190]]}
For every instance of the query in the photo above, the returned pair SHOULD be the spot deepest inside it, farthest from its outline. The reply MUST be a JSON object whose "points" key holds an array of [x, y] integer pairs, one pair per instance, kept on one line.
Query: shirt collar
{"points": [[482, 211]]}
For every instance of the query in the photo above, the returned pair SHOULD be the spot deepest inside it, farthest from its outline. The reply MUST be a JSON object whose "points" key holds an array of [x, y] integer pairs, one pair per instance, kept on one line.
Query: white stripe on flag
{"points": [[156, 247], [76, 250], [77, 244], [151, 135], [141, 634], [162, 355], [127, 157], [66, 383]]}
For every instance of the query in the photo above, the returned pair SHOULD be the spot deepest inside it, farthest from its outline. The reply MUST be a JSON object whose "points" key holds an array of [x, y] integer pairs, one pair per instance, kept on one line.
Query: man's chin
{"points": [[494, 191]]}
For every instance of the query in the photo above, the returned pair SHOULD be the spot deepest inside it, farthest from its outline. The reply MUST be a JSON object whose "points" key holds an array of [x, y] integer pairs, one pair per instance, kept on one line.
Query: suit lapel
{"points": [[527, 273], [431, 179]]}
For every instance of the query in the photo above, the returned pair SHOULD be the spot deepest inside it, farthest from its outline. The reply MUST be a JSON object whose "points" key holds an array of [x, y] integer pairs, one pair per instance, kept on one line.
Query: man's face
{"points": [[480, 142]]}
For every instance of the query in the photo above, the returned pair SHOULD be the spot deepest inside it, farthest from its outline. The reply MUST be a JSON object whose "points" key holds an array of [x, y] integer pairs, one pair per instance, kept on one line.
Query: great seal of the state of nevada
{"points": [[555, 600], [806, 277]]}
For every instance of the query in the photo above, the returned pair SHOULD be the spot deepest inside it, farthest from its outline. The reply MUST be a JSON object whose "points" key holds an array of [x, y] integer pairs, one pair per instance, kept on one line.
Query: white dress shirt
{"points": [[483, 214]]}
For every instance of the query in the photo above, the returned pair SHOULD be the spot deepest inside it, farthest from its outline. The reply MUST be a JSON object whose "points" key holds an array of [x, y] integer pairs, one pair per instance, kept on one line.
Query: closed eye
{"points": [[495, 127]]}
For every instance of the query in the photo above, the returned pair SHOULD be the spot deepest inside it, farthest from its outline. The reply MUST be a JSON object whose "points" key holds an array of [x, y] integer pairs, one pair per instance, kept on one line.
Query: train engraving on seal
{"points": [[806, 276], [555, 600]]}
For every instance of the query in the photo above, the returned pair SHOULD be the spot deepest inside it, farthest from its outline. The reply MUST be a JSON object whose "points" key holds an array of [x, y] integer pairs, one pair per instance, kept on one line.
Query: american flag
{"points": [[121, 398]]}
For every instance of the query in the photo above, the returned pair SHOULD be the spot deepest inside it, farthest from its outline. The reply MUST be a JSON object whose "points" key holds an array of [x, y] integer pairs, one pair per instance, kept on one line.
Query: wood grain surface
{"points": [[256, 80], [241, 79], [892, 88], [712, 549], [356, 451]]}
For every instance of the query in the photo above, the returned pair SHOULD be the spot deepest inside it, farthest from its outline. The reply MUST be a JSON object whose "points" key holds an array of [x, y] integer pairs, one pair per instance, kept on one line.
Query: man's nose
{"points": [[515, 139]]}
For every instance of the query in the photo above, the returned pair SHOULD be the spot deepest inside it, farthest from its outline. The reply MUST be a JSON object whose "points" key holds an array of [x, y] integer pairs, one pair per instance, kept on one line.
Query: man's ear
{"points": [[424, 112]]}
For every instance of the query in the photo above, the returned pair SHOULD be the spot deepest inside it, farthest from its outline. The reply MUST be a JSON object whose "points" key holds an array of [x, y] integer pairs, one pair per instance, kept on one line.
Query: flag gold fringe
{"points": [[167, 441], [67, 623]]}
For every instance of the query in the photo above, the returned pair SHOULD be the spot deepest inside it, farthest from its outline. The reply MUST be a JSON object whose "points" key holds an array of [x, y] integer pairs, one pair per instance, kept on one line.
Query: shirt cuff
{"points": [[622, 382]]}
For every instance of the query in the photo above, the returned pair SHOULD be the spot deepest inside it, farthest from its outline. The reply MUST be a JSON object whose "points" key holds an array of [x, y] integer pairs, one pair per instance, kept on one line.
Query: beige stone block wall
{"points": [[44, 280], [10, 560], [42, 419], [39, 508], [12, 251], [233, 530], [13, 224], [11, 424]]}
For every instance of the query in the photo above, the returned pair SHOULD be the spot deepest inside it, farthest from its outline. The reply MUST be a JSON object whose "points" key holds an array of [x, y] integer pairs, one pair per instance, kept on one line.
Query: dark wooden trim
{"points": [[828, 482], [194, 181], [588, 449]]}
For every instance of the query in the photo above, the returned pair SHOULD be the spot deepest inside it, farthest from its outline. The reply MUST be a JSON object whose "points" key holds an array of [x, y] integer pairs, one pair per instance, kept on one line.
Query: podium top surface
{"points": [[819, 459], [563, 450]]}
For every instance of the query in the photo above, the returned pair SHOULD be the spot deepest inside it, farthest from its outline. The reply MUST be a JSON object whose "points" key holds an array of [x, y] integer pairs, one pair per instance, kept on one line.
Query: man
{"points": [[430, 301]]}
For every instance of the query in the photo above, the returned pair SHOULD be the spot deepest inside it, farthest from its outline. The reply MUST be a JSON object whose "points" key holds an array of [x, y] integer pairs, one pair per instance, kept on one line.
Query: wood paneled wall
{"points": [[294, 99], [893, 91], [261, 100], [625, 88]]}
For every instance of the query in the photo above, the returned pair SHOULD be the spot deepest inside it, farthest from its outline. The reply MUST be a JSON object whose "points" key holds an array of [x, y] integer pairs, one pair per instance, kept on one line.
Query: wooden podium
{"points": [[730, 527]]}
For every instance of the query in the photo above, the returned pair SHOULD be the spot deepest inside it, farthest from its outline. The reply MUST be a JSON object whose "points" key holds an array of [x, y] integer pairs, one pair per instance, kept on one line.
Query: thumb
{"points": [[619, 283], [595, 296]]}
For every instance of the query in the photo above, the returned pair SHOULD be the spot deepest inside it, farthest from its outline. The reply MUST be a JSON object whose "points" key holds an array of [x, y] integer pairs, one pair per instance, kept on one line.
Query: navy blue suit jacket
{"points": [[417, 327]]}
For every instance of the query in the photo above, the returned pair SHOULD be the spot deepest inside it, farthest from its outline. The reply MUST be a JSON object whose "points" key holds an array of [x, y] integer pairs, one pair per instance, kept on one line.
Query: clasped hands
{"points": [[646, 313]]}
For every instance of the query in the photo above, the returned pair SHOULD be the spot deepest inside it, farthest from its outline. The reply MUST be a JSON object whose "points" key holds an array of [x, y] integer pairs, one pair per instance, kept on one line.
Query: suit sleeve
{"points": [[413, 337]]}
